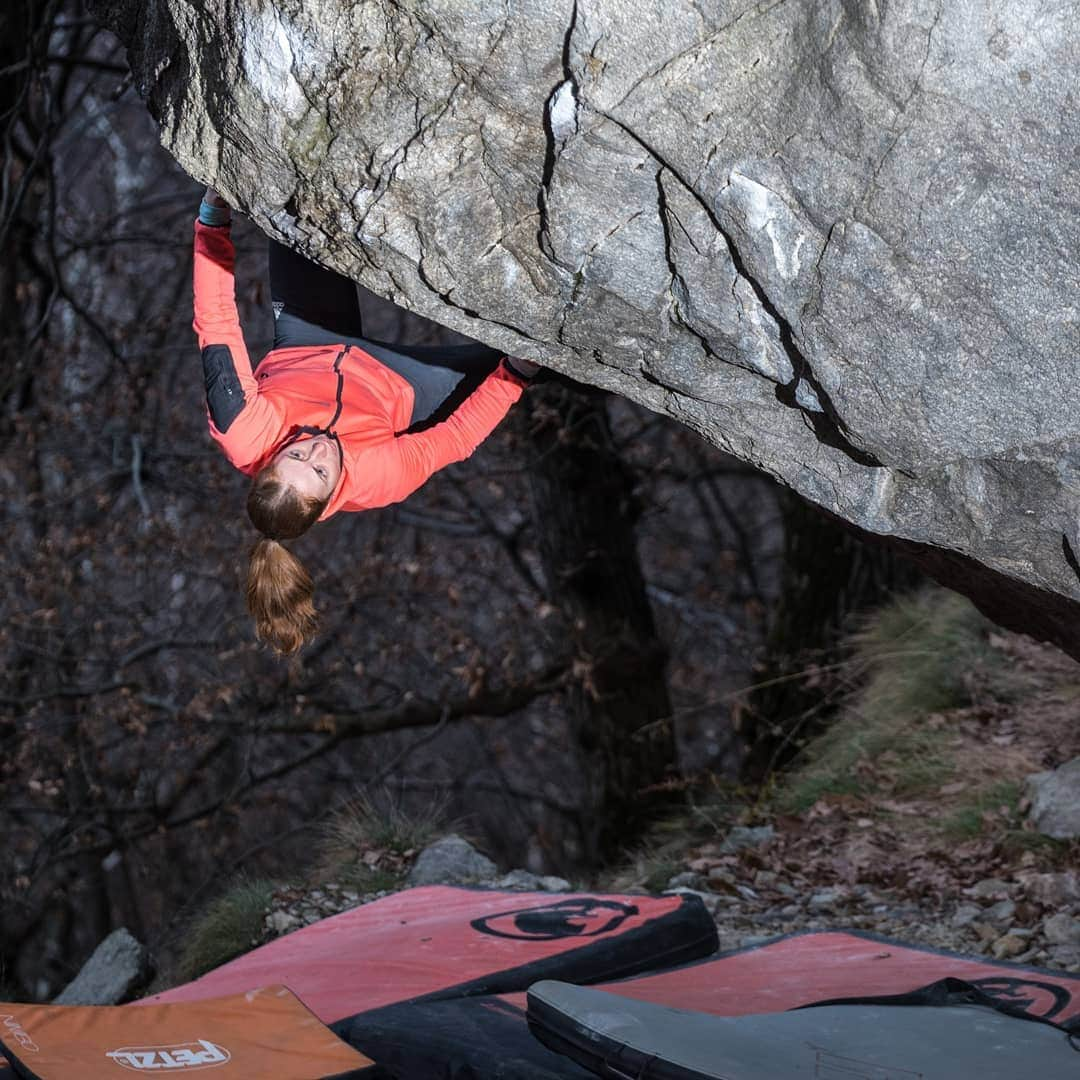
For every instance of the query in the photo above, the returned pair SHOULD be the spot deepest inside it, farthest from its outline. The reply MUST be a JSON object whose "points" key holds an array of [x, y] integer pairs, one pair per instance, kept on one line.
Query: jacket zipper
{"points": [[340, 388]]}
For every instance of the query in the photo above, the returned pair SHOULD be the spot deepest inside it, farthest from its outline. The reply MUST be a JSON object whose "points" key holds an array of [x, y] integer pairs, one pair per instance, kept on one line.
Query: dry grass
{"points": [[370, 845], [914, 660], [661, 854], [949, 717], [230, 926]]}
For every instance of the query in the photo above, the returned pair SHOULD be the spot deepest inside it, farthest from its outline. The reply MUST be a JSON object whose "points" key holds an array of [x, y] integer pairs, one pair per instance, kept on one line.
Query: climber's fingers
{"points": [[214, 210], [213, 197], [525, 368]]}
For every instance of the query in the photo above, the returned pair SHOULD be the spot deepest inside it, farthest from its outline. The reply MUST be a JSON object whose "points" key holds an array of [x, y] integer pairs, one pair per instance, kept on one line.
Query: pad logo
{"points": [[17, 1032], [193, 1055], [582, 917], [1037, 998]]}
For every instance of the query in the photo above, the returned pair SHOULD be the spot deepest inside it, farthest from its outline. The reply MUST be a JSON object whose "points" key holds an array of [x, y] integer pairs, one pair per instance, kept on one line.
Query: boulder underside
{"points": [[837, 238]]}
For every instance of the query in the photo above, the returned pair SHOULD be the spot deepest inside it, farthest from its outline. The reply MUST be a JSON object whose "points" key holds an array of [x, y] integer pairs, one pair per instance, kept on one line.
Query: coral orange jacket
{"points": [[334, 389]]}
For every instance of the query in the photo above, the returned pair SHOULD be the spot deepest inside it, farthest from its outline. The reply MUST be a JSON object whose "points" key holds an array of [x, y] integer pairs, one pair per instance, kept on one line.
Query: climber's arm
{"points": [[244, 424], [397, 467]]}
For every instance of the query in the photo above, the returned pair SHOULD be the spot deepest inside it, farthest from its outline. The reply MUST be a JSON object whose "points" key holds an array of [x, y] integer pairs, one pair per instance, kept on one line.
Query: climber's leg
{"points": [[315, 306], [312, 305], [441, 377]]}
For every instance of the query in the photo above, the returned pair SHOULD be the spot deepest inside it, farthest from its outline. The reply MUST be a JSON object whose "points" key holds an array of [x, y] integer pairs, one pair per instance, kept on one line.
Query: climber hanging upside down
{"points": [[328, 420]]}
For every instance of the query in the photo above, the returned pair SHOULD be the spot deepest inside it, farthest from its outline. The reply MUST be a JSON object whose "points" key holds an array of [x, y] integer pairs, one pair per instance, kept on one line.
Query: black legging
{"points": [[316, 306]]}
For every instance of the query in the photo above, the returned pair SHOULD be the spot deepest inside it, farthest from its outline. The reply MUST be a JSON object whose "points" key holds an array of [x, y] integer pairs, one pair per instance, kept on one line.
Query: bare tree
{"points": [[584, 509]]}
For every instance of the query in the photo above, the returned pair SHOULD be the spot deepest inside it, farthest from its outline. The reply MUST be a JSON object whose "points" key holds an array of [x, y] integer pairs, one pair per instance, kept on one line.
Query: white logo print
{"points": [[193, 1055], [18, 1033]]}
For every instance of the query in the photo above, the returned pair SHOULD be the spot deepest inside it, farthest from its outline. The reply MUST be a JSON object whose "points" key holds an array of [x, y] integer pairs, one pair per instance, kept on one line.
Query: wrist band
{"points": [[214, 215]]}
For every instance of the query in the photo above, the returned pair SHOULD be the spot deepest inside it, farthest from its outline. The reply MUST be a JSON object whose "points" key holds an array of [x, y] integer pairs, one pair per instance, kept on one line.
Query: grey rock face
{"points": [[526, 881], [521, 880], [686, 880], [965, 915], [451, 861], [554, 883], [837, 239], [1055, 800], [1001, 912], [117, 970], [1053, 890], [743, 836], [827, 899], [990, 888], [1062, 929]]}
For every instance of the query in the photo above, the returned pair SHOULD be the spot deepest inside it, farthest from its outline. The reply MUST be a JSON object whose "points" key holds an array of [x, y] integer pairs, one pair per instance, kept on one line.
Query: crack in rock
{"points": [[560, 123], [826, 423]]}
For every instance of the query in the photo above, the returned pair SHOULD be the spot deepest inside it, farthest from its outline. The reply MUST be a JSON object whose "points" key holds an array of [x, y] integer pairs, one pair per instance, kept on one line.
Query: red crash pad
{"points": [[808, 967], [442, 941]]}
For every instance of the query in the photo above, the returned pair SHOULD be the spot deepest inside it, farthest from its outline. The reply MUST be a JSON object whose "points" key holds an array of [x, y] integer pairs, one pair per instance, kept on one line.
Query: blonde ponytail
{"points": [[279, 597], [279, 589]]}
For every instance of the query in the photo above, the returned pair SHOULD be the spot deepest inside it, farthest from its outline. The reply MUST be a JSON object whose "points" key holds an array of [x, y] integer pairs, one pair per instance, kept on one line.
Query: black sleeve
{"points": [[224, 394]]}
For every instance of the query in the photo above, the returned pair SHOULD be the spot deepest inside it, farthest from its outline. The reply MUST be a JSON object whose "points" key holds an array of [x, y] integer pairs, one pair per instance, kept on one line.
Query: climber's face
{"points": [[311, 466]]}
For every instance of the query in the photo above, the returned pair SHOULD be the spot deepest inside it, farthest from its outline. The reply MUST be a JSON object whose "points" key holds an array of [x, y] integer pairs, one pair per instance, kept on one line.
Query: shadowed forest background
{"points": [[556, 639]]}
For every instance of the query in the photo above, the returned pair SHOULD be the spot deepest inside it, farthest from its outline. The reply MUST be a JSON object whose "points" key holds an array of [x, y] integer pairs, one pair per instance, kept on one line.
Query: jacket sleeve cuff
{"points": [[214, 216]]}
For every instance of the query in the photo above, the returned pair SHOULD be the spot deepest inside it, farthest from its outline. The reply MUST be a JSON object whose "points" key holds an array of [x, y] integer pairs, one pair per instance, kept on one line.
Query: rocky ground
{"points": [[450, 860], [1033, 918], [955, 864]]}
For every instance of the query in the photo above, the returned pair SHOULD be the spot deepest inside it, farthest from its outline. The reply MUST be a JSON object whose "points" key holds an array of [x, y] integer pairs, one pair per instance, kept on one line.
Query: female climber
{"points": [[328, 420]]}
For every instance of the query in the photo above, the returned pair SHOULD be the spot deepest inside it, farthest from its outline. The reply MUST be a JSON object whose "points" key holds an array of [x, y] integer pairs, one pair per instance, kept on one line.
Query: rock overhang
{"points": [[838, 240]]}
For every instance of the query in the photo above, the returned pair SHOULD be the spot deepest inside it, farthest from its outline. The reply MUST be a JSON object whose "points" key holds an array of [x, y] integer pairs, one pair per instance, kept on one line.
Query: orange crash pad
{"points": [[266, 1033]]}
